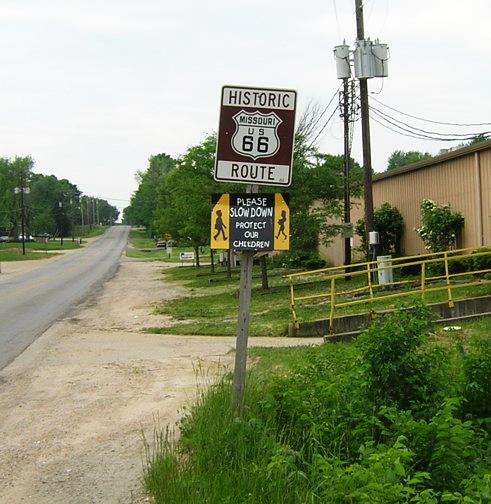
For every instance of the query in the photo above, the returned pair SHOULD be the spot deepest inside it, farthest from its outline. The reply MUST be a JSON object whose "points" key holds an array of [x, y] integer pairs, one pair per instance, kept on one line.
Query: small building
{"points": [[460, 178]]}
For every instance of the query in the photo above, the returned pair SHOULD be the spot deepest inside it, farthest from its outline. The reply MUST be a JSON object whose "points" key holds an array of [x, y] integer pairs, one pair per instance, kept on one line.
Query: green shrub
{"points": [[440, 226], [389, 223], [297, 259], [459, 265], [477, 370], [481, 262], [399, 370], [382, 475], [444, 447]]}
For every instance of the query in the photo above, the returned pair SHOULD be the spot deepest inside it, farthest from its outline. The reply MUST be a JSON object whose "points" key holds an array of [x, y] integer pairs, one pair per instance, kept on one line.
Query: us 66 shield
{"points": [[255, 136]]}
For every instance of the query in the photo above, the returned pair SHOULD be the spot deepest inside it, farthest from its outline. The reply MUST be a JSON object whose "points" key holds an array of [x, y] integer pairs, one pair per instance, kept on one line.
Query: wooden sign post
{"points": [[254, 147]]}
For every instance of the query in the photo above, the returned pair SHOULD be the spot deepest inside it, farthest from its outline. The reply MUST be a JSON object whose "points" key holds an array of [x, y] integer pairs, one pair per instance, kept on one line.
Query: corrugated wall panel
{"points": [[486, 195], [446, 183], [451, 182]]}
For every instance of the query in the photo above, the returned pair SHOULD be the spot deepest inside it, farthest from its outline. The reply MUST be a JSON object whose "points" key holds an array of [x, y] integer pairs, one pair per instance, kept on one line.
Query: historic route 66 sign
{"points": [[255, 136]]}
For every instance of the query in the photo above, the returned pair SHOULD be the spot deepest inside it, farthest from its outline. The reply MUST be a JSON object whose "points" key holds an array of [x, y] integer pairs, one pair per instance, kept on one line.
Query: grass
{"points": [[90, 232], [211, 306], [139, 239], [143, 247], [34, 250], [15, 254], [312, 429]]}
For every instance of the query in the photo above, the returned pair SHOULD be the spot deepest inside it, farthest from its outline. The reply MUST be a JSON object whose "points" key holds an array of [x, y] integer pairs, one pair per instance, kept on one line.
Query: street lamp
{"points": [[22, 190], [60, 206]]}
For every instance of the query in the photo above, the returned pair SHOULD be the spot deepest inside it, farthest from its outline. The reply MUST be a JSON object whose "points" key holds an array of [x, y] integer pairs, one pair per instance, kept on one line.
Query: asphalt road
{"points": [[31, 302]]}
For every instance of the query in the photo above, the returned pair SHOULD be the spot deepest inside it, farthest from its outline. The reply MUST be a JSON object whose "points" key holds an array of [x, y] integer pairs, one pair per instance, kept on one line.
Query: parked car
{"points": [[4, 239], [27, 238], [162, 244]]}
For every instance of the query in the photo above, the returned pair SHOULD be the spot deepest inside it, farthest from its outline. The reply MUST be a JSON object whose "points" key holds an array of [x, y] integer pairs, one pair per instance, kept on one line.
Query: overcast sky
{"points": [[90, 89]]}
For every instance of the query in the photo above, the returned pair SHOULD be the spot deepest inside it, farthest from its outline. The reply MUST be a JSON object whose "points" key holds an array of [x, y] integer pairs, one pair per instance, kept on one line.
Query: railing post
{"points": [[292, 303], [369, 275], [447, 277], [423, 280], [333, 304]]}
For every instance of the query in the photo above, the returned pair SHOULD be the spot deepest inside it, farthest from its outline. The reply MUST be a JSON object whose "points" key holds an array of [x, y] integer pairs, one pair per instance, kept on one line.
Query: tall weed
{"points": [[477, 370], [401, 368]]}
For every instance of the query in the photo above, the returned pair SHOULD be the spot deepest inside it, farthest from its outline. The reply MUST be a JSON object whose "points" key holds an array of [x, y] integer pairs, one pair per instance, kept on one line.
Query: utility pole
{"points": [[93, 211], [82, 213], [346, 121], [22, 216], [72, 220], [98, 219], [365, 131], [22, 190], [60, 206]]}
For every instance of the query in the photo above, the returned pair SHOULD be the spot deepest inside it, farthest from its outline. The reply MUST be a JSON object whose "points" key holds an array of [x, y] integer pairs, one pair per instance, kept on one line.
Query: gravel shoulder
{"points": [[74, 406]]}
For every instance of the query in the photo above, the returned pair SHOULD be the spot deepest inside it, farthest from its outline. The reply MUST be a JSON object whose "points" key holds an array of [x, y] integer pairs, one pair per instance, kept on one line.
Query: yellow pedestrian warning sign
{"points": [[258, 222], [220, 223], [281, 223]]}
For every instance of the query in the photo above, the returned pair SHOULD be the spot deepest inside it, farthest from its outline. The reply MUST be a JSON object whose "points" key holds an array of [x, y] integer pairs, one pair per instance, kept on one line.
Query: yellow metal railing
{"points": [[366, 289]]}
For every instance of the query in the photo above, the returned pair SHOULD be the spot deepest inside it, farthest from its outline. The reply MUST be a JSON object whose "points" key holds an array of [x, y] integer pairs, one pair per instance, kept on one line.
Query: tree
{"points": [[440, 226], [144, 201], [400, 158], [481, 137], [184, 198], [316, 200], [14, 174], [52, 204], [389, 224]]}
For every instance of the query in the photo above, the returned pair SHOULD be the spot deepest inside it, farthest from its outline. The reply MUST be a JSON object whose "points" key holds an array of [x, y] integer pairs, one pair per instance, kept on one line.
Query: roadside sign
{"points": [[186, 256], [251, 221], [256, 135]]}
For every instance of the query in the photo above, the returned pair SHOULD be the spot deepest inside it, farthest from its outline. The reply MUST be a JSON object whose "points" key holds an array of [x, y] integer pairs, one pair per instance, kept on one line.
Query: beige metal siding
{"points": [[447, 183], [452, 181], [486, 195]]}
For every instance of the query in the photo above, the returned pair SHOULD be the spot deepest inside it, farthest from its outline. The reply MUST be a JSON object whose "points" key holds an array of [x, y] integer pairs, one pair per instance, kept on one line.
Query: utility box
{"points": [[380, 59], [385, 272], [364, 60], [373, 238], [341, 55]]}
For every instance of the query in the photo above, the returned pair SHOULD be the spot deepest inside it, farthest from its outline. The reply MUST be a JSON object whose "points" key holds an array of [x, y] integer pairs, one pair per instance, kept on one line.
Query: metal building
{"points": [[461, 178]]}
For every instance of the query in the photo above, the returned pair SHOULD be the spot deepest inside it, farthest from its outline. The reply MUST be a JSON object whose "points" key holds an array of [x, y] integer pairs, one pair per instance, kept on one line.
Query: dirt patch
{"points": [[74, 405]]}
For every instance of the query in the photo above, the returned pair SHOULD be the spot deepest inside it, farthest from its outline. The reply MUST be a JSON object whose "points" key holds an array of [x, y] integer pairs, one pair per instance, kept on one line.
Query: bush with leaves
{"points": [[477, 370], [399, 368], [481, 259], [440, 226], [389, 224]]}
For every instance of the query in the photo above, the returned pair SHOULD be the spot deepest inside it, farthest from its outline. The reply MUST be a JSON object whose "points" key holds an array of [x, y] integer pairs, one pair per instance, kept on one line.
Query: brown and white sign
{"points": [[255, 136]]}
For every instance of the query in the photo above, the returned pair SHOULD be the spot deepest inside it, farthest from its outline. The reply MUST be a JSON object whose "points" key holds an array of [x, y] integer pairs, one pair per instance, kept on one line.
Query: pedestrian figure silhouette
{"points": [[281, 223], [220, 226]]}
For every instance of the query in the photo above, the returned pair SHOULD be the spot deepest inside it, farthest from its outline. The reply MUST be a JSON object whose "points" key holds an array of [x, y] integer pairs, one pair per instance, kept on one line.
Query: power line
{"points": [[429, 120], [324, 126], [426, 131], [394, 130], [316, 122], [411, 133]]}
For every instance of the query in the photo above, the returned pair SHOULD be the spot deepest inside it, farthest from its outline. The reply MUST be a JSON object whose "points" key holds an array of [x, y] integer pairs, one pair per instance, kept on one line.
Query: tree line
{"points": [[49, 206], [174, 195]]}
